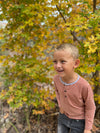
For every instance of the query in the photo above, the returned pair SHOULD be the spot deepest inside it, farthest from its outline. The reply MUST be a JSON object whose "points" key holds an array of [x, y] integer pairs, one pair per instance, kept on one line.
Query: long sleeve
{"points": [[57, 95], [89, 107]]}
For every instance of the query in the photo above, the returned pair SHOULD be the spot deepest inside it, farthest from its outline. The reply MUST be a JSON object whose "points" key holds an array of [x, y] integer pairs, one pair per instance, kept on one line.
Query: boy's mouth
{"points": [[60, 70]]}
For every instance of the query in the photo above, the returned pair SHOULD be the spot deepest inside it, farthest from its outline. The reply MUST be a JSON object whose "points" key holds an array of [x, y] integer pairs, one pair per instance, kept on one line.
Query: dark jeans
{"points": [[67, 125]]}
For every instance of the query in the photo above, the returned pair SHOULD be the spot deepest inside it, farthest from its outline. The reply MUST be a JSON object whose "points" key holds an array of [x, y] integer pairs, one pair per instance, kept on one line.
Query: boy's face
{"points": [[64, 63]]}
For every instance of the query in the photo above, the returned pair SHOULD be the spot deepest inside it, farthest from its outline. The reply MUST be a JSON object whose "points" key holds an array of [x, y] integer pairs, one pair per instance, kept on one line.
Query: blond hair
{"points": [[74, 50]]}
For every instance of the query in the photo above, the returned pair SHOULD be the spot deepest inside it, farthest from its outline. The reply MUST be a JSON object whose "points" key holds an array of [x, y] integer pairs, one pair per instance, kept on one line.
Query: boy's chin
{"points": [[61, 75]]}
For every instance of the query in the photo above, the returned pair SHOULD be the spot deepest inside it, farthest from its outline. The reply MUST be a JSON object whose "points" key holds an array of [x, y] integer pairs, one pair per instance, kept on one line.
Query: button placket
{"points": [[65, 91]]}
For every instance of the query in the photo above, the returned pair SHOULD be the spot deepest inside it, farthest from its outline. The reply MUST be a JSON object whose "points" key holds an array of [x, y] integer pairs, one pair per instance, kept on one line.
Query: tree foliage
{"points": [[33, 30]]}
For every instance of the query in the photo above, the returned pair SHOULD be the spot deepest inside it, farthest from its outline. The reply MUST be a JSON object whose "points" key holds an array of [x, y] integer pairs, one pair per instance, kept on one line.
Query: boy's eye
{"points": [[63, 61], [54, 61]]}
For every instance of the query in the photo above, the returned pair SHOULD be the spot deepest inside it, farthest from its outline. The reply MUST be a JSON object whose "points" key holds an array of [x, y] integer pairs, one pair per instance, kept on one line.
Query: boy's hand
{"points": [[87, 131], [61, 111]]}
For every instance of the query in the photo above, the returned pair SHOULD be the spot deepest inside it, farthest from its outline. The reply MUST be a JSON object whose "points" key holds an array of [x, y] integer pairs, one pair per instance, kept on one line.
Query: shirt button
{"points": [[77, 120]]}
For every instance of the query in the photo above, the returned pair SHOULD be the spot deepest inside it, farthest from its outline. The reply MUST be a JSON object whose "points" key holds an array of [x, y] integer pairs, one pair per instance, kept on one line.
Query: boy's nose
{"points": [[58, 65]]}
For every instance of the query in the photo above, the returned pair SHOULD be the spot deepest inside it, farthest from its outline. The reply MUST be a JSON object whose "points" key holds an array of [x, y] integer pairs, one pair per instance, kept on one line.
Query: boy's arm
{"points": [[87, 131], [89, 108], [61, 111], [57, 95], [58, 99]]}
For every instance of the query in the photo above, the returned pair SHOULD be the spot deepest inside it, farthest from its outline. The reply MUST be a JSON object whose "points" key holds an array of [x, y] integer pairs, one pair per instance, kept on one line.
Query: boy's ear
{"points": [[77, 62]]}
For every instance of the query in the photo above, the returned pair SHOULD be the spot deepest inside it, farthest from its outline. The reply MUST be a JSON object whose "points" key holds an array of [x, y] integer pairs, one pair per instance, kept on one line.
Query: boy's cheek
{"points": [[54, 67]]}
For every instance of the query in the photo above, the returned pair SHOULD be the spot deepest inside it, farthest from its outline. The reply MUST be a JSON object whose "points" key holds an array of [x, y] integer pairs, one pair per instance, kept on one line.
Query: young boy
{"points": [[74, 94]]}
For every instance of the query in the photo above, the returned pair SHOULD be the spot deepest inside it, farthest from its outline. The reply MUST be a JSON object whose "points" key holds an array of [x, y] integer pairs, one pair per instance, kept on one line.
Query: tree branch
{"points": [[74, 37], [72, 32], [61, 13], [94, 5]]}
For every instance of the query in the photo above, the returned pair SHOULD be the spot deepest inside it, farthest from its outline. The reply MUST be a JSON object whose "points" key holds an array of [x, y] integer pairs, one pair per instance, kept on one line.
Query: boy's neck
{"points": [[70, 79]]}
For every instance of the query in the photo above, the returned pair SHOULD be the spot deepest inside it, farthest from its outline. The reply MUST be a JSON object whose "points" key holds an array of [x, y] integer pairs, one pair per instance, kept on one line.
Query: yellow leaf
{"points": [[35, 112], [24, 99], [3, 93], [44, 103], [2, 58], [11, 88], [1, 37], [28, 70], [10, 99], [91, 38]]}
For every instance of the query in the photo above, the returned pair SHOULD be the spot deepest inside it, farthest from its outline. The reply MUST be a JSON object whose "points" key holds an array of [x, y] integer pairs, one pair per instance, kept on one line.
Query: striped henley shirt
{"points": [[76, 99]]}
